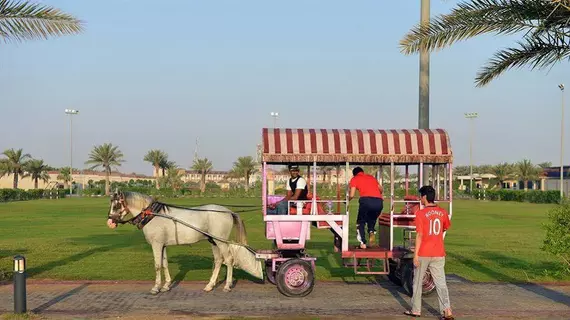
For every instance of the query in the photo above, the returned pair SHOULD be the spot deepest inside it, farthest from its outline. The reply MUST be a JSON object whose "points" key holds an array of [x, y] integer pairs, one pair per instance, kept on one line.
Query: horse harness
{"points": [[147, 214]]}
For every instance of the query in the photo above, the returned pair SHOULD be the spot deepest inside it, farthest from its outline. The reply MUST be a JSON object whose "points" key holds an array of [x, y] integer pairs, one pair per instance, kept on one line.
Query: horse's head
{"points": [[125, 206]]}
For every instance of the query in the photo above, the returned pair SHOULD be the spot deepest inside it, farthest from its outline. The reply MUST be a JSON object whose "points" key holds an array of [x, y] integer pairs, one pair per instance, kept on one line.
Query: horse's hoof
{"points": [[208, 288], [165, 289], [154, 291], [227, 289]]}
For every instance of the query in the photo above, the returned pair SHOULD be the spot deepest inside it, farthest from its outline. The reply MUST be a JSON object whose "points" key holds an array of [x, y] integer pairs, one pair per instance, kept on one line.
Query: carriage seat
{"points": [[409, 210], [307, 207]]}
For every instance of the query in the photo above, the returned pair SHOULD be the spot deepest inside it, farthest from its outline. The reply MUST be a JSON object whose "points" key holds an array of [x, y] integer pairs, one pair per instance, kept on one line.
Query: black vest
{"points": [[293, 186]]}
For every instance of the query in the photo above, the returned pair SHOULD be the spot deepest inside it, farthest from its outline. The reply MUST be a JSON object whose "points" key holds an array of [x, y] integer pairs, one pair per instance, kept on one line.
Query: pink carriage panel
{"points": [[289, 230]]}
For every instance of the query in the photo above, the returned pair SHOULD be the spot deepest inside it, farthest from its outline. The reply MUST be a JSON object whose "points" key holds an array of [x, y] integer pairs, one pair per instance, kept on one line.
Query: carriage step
{"points": [[369, 265]]}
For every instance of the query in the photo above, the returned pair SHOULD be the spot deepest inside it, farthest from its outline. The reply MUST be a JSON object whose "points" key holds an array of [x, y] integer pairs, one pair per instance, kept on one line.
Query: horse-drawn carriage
{"points": [[289, 266]]}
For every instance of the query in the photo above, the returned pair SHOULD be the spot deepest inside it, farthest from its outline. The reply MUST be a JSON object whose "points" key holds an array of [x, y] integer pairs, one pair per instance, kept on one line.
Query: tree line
{"points": [[107, 157], [523, 170]]}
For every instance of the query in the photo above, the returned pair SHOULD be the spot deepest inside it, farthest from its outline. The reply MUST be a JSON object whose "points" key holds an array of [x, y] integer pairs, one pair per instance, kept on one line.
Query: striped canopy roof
{"points": [[357, 146]]}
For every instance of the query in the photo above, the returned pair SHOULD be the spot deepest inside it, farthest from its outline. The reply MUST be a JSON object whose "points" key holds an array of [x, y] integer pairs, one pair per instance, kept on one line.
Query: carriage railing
{"points": [[300, 204]]}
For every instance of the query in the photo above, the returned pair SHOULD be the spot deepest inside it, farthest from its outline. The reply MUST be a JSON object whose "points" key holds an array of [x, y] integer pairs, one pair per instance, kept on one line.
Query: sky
{"points": [[149, 74]]}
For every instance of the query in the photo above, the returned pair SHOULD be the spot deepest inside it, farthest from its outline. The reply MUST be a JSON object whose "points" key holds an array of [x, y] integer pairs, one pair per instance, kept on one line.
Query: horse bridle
{"points": [[119, 200]]}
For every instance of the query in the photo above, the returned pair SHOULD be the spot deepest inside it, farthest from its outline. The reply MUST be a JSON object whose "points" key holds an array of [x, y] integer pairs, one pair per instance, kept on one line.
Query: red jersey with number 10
{"points": [[431, 222]]}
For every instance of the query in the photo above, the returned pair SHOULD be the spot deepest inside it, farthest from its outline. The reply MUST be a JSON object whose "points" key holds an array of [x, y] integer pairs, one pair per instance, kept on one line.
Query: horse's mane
{"points": [[137, 199]]}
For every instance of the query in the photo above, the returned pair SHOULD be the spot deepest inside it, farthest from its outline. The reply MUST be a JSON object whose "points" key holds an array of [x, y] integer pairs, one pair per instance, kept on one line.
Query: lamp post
{"points": [[19, 284], [471, 116], [275, 115], [71, 112], [561, 86]]}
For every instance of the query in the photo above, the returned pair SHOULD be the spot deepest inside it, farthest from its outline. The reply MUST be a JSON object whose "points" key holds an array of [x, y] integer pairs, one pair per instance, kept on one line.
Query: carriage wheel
{"points": [[428, 285], [268, 273], [392, 275], [295, 278]]}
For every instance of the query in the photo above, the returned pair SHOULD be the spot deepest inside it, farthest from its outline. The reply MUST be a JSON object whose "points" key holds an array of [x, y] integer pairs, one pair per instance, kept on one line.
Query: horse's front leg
{"points": [[218, 260], [167, 279], [157, 252], [229, 261]]}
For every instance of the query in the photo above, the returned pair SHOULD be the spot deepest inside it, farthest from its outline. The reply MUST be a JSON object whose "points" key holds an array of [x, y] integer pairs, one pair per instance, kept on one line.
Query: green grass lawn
{"points": [[69, 239]]}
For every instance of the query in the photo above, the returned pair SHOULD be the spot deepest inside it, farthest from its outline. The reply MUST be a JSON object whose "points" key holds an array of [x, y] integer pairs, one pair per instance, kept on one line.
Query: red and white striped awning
{"points": [[357, 146]]}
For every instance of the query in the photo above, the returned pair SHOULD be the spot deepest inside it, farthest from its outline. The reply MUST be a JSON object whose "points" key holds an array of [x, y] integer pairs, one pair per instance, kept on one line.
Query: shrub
{"points": [[7, 195], [532, 196], [557, 241]]}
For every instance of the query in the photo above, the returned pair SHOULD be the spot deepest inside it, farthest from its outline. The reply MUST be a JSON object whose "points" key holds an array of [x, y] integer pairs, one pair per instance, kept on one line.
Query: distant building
{"points": [[552, 179], [81, 179]]}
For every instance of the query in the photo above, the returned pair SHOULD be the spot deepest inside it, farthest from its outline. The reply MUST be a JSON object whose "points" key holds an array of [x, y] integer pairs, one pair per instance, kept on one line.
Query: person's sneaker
{"points": [[372, 238]]}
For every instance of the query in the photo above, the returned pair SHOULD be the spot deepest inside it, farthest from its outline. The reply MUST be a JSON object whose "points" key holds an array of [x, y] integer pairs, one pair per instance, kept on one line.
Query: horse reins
{"points": [[125, 208], [148, 212]]}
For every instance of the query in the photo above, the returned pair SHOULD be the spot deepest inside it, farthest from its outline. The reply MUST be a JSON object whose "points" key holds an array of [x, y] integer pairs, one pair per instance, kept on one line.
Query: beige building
{"points": [[483, 181], [81, 178]]}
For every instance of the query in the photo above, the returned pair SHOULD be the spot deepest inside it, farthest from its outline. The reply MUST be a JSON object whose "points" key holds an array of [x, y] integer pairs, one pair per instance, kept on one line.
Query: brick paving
{"points": [[380, 300]]}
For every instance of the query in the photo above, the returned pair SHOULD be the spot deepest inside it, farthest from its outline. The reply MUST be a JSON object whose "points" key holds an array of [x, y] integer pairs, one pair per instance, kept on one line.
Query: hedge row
{"points": [[7, 195], [532, 196]]}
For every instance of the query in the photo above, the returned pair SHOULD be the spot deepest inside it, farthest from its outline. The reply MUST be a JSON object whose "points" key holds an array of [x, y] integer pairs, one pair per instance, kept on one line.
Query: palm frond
{"points": [[537, 52], [479, 17], [22, 20]]}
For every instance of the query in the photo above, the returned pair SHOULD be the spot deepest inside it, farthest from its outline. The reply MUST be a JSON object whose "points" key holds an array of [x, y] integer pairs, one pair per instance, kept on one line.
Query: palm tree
{"points": [[105, 156], [544, 165], [203, 166], [172, 179], [37, 170], [461, 170], [23, 20], [14, 164], [166, 165], [526, 172], [157, 158], [244, 167], [502, 171], [65, 175], [543, 23]]}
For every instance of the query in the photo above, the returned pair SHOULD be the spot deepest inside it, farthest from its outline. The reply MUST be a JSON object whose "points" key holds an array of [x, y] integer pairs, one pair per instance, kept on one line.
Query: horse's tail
{"points": [[241, 235]]}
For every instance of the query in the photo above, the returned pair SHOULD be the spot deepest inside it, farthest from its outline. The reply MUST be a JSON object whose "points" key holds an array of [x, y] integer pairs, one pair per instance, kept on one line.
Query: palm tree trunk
{"points": [[107, 182], [525, 185], [246, 182], [156, 170], [35, 183], [203, 183], [15, 185]]}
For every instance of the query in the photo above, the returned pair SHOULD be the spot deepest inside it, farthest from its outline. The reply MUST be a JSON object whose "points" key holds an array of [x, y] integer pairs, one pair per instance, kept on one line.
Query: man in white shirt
{"points": [[296, 190]]}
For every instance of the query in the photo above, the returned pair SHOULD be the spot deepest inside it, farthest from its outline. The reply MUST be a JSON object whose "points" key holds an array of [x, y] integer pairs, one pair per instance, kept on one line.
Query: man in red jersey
{"points": [[370, 203], [431, 222]]}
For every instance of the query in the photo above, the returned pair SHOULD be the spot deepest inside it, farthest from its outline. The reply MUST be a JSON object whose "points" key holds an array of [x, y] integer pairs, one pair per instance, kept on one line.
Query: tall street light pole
{"points": [[71, 112], [275, 115], [561, 86], [471, 116]]}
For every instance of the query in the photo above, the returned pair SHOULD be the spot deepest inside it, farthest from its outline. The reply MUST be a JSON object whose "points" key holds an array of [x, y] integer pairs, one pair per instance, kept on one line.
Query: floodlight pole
{"points": [[71, 112], [561, 86]]}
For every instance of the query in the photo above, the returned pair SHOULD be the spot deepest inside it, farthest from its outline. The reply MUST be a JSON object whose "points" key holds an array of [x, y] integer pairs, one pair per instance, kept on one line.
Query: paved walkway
{"points": [[329, 300]]}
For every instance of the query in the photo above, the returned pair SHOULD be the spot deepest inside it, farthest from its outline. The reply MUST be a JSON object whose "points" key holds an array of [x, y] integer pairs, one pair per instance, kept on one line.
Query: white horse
{"points": [[161, 232]]}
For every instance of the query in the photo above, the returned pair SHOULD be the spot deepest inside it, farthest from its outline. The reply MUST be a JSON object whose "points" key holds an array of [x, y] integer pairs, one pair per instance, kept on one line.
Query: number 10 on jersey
{"points": [[434, 227]]}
